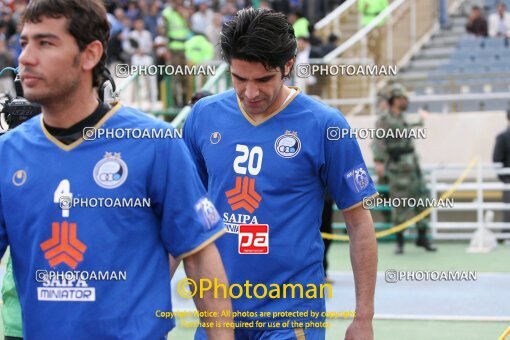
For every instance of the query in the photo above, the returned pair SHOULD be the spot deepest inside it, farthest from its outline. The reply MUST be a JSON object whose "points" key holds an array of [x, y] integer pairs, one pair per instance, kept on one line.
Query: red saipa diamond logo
{"points": [[254, 239]]}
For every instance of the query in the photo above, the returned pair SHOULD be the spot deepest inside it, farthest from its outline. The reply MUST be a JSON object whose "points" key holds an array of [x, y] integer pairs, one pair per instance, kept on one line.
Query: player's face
{"points": [[258, 89], [50, 61]]}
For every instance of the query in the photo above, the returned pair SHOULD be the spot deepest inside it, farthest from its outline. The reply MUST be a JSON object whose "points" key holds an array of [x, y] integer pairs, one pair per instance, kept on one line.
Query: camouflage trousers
{"points": [[408, 185]]}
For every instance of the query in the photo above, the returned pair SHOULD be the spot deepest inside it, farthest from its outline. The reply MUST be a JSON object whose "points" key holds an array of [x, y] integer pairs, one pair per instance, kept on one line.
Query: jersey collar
{"points": [[73, 145], [281, 108]]}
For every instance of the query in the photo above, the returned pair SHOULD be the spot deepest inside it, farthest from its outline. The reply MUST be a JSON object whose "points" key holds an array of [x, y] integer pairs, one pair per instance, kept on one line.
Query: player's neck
{"points": [[284, 93], [71, 110]]}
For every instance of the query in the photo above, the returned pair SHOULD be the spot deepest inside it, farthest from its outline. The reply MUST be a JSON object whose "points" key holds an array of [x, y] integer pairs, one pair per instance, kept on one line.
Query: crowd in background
{"points": [[178, 32], [162, 32], [498, 24], [10, 13]]}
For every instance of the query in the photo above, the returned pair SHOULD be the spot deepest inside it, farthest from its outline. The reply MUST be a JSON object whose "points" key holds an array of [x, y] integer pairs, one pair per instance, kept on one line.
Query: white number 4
{"points": [[63, 197]]}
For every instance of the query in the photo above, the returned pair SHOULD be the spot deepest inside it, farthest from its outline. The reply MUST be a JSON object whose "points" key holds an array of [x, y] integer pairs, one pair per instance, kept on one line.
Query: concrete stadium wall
{"points": [[453, 138]]}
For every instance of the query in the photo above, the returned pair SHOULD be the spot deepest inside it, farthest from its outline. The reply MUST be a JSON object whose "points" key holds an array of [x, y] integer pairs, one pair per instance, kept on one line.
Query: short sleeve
{"points": [[343, 170], [190, 138], [189, 220]]}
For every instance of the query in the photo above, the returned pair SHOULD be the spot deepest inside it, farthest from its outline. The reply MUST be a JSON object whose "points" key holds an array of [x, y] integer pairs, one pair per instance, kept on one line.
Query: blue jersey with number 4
{"points": [[153, 203], [268, 182]]}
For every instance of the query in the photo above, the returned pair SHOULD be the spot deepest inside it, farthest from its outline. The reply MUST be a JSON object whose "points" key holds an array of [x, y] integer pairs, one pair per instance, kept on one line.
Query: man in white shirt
{"points": [[499, 22], [202, 18], [140, 45]]}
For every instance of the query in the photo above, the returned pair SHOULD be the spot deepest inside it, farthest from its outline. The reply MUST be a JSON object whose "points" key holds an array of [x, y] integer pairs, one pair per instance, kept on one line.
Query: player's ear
{"points": [[91, 55], [289, 65]]}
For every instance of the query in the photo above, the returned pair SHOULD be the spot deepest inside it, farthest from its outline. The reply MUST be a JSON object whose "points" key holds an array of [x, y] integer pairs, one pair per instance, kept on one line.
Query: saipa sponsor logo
{"points": [[63, 290], [64, 248], [243, 195], [233, 221], [253, 239]]}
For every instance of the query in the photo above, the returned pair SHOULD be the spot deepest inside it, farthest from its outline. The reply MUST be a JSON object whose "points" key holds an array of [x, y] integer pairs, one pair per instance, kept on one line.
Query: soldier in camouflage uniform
{"points": [[397, 159]]}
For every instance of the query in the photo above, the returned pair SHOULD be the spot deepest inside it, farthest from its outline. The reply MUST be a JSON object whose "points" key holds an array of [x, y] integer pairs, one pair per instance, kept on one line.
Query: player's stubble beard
{"points": [[62, 89], [270, 103]]}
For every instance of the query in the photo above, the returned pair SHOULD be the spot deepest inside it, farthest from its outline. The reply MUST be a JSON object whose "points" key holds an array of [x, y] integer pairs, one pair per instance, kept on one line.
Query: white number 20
{"points": [[254, 158]]}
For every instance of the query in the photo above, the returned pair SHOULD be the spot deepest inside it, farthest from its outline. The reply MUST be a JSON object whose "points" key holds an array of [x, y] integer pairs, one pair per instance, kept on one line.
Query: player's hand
{"points": [[360, 330], [379, 169]]}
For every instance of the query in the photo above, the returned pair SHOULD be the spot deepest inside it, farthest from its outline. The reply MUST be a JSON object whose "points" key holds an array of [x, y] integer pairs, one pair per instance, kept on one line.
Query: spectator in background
{"points": [[501, 154], [161, 51], [477, 25], [199, 95], [14, 46], [443, 14], [176, 18], [331, 45], [228, 11], [151, 16], [314, 40], [203, 16], [6, 60], [213, 34], [133, 12], [305, 52], [281, 6], [139, 46], [143, 40], [370, 9], [198, 49], [8, 23], [499, 22], [300, 24]]}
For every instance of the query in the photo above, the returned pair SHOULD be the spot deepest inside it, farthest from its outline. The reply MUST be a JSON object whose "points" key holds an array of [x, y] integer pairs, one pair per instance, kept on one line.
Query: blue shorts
{"points": [[272, 334]]}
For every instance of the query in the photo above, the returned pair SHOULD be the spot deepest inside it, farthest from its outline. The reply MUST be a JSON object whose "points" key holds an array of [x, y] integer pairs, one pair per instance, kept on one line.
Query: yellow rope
{"points": [[505, 334], [416, 218]]}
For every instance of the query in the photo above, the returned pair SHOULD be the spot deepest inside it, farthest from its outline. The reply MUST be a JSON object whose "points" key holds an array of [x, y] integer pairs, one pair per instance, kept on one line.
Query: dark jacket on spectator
{"points": [[502, 153], [477, 27]]}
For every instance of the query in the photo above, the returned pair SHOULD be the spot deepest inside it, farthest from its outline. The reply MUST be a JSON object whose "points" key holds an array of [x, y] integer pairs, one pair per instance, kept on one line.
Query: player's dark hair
{"points": [[259, 35], [86, 20]]}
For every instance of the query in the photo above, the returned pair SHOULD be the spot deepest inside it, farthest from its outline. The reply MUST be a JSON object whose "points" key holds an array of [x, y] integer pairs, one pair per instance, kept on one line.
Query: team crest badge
{"points": [[288, 145], [110, 172]]}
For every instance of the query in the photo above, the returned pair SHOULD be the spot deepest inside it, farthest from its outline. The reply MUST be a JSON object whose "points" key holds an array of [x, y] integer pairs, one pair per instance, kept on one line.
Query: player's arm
{"points": [[189, 225], [206, 264], [174, 263], [363, 251], [345, 174]]}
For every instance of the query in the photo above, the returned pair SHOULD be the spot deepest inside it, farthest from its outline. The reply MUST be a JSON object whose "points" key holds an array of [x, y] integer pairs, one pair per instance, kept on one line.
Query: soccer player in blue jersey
{"points": [[96, 273], [266, 153]]}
